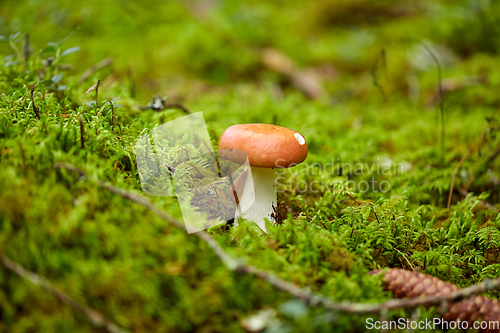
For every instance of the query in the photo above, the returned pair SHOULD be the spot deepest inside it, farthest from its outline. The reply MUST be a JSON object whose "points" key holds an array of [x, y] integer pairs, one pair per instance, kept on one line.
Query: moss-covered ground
{"points": [[375, 129]]}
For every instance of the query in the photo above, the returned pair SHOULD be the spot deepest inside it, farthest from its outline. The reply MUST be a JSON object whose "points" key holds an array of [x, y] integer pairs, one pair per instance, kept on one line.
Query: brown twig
{"points": [[176, 105], [169, 168], [324, 225], [162, 105], [96, 318], [195, 169], [35, 109], [411, 266], [97, 93], [313, 299], [376, 216], [82, 132], [186, 152], [353, 199], [112, 113]]}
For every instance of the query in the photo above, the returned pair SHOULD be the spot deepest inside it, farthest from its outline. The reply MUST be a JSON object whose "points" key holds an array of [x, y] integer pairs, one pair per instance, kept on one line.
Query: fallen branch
{"points": [[95, 317], [313, 299]]}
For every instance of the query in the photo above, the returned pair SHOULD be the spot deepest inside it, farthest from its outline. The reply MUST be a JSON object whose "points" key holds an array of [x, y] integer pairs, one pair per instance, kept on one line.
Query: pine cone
{"points": [[410, 284]]}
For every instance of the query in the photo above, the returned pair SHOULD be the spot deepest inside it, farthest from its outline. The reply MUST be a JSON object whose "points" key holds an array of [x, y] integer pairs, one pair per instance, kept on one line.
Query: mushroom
{"points": [[267, 147]]}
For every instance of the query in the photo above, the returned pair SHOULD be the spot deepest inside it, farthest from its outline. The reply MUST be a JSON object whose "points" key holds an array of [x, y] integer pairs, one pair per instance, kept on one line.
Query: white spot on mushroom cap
{"points": [[300, 139]]}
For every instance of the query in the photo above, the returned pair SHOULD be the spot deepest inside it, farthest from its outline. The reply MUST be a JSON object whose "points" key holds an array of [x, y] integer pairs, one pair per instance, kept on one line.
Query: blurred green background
{"points": [[167, 44]]}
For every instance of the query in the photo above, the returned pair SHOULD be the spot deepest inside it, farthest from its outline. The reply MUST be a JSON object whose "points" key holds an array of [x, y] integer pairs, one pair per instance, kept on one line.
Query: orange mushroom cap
{"points": [[267, 146]]}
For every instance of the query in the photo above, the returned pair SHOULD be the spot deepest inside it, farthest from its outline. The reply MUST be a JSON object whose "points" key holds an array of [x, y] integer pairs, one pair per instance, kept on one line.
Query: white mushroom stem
{"points": [[258, 197]]}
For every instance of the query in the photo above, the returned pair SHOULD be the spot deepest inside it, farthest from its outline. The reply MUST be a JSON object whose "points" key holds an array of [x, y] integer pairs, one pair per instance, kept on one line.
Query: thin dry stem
{"points": [[35, 109], [176, 105]]}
